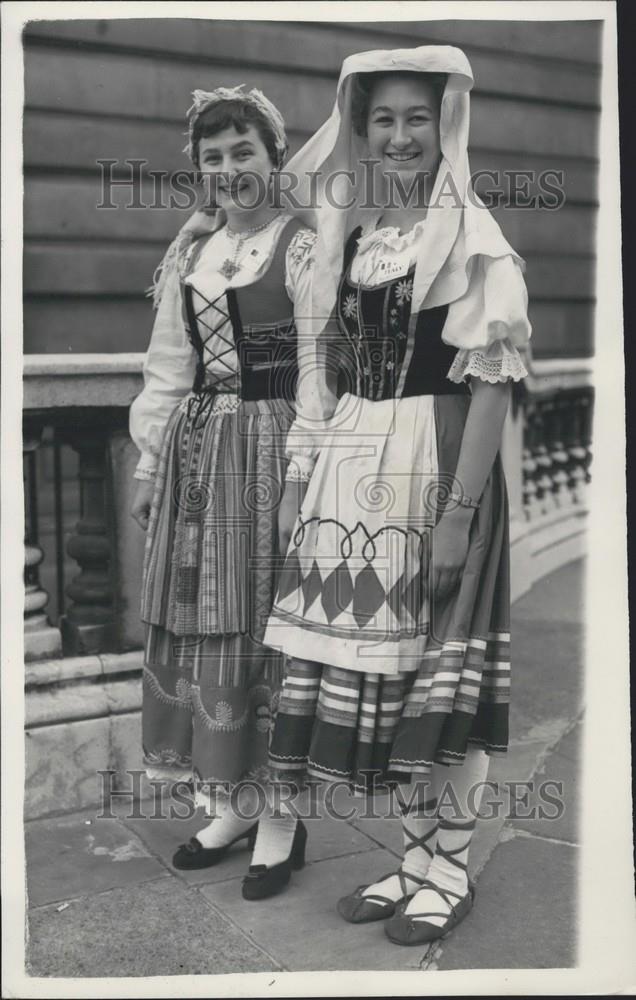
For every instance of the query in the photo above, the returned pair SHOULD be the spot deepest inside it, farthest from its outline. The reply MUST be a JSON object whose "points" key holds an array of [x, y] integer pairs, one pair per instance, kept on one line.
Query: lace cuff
{"points": [[497, 363], [299, 469], [145, 473]]}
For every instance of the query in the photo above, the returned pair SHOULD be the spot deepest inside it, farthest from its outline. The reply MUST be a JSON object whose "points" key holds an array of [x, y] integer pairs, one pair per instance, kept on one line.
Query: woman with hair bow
{"points": [[221, 375], [393, 605]]}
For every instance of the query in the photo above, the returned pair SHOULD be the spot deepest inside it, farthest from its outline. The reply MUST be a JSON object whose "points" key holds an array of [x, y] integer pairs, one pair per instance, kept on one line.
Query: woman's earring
{"points": [[273, 189]]}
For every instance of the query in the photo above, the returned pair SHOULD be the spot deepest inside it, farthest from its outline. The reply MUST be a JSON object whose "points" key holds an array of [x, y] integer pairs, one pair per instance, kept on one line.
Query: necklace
{"points": [[230, 265]]}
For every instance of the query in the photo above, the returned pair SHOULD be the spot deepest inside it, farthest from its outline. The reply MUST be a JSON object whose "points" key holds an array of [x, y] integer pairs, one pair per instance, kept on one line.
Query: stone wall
{"points": [[117, 89]]}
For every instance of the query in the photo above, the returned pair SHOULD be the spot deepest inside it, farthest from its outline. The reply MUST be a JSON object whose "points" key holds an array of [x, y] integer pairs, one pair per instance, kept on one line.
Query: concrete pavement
{"points": [[105, 901]]}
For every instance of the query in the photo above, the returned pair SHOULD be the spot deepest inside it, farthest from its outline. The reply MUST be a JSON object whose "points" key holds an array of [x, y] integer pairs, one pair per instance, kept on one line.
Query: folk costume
{"points": [[211, 423], [387, 682], [397, 680]]}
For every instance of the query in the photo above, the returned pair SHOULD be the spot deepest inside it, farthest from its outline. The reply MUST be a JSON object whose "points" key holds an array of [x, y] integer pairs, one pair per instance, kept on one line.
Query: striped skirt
{"points": [[385, 679], [210, 687]]}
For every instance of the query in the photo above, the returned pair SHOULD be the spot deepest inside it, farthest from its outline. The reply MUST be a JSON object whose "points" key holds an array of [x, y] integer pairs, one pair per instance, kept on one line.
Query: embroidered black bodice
{"points": [[263, 332], [375, 321]]}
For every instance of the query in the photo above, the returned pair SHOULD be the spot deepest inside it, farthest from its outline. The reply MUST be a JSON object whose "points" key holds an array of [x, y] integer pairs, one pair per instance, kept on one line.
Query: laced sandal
{"points": [[356, 908], [415, 928], [359, 909]]}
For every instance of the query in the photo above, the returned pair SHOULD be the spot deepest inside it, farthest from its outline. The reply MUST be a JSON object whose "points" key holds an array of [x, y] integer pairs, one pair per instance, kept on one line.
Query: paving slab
{"points": [[78, 855], [328, 837], [159, 928], [561, 767], [558, 597], [547, 676], [525, 911], [301, 927]]}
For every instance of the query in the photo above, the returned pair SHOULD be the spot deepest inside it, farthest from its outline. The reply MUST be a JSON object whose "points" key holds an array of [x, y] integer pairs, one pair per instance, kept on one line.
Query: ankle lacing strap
{"points": [[450, 854], [444, 893]]}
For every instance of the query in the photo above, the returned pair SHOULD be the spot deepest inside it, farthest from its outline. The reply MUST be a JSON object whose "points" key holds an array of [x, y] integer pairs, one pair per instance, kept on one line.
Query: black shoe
{"points": [[261, 881], [194, 855]]}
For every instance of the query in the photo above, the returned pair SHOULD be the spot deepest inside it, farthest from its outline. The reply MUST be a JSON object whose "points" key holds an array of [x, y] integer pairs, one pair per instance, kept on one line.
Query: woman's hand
{"points": [[449, 549], [140, 509], [288, 511]]}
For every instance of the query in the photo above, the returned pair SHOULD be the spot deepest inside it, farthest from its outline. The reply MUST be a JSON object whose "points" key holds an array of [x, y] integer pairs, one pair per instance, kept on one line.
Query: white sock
{"points": [[226, 823], [419, 826], [274, 838], [449, 867]]}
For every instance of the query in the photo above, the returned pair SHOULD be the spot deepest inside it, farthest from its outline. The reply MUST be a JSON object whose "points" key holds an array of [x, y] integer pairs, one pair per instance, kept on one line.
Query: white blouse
{"points": [[385, 253], [170, 362]]}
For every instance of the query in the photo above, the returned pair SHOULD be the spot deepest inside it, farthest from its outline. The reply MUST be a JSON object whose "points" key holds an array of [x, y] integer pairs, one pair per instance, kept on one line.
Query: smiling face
{"points": [[239, 167], [403, 125]]}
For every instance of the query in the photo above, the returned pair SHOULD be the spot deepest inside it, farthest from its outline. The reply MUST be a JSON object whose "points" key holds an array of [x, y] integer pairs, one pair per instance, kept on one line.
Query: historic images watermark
{"points": [[132, 795], [140, 187]]}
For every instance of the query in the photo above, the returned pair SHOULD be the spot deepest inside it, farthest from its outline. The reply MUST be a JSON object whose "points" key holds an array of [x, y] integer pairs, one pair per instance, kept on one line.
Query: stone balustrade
{"points": [[83, 644], [82, 402]]}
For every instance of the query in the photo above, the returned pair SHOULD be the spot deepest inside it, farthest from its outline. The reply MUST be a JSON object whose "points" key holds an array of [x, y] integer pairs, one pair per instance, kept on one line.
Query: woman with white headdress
{"points": [[221, 375], [393, 604]]}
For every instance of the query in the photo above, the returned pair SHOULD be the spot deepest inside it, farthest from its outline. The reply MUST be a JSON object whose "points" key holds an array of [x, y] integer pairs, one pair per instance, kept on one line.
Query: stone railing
{"points": [[83, 551], [547, 455], [76, 411]]}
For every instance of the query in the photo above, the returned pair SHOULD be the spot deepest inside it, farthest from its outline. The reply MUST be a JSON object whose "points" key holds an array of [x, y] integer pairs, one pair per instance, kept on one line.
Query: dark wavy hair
{"points": [[237, 114], [363, 84]]}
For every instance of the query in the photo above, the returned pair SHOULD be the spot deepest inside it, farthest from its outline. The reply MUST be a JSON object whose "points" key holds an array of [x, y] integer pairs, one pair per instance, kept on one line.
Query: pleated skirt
{"points": [[210, 686], [384, 678]]}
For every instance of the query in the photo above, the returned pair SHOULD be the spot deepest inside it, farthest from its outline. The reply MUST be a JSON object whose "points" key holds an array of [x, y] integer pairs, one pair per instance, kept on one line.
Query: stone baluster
{"points": [[543, 459], [576, 452], [41, 639], [88, 625], [529, 465], [587, 406], [560, 458]]}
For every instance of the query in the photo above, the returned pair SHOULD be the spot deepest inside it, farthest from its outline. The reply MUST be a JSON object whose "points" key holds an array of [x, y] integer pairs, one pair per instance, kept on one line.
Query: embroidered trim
{"points": [[390, 236], [224, 722], [180, 700], [225, 402], [492, 370], [296, 475], [299, 469], [167, 756], [147, 475], [369, 548], [301, 247]]}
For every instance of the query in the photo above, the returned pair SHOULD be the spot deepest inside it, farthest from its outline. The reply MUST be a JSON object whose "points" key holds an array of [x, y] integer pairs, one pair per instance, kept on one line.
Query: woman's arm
{"points": [[481, 441], [168, 370], [316, 396]]}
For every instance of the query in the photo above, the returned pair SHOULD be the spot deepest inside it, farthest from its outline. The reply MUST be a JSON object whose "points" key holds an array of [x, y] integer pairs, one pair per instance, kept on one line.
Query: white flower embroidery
{"points": [[223, 713], [404, 291], [301, 248], [350, 307], [390, 366]]}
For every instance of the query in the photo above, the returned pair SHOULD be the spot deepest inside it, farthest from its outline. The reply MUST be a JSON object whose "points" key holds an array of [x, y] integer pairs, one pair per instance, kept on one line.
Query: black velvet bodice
{"points": [[375, 322]]}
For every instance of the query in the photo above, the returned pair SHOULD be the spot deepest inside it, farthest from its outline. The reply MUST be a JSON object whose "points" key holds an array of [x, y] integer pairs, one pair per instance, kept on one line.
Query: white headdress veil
{"points": [[461, 250]]}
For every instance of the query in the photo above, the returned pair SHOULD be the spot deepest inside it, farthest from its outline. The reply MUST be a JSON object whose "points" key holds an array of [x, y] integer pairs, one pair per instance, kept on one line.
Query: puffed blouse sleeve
{"points": [[168, 369], [489, 323], [316, 391]]}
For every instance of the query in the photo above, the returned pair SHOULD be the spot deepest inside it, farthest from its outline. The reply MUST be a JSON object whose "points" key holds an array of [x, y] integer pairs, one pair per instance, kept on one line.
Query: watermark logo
{"points": [[131, 184]]}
